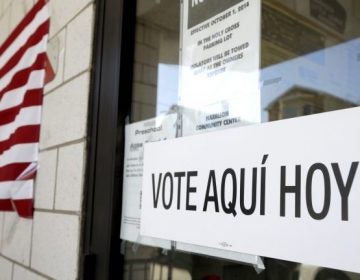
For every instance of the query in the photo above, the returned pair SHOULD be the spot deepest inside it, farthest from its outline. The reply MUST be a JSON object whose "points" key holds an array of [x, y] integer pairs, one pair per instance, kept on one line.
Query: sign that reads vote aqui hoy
{"points": [[288, 190]]}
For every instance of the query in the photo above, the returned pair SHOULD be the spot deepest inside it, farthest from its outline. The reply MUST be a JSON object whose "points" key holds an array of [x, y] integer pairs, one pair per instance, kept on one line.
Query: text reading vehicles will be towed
{"points": [[225, 191]]}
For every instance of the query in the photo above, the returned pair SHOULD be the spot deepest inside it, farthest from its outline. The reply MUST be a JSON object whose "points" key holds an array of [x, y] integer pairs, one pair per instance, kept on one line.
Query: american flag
{"points": [[23, 63]]}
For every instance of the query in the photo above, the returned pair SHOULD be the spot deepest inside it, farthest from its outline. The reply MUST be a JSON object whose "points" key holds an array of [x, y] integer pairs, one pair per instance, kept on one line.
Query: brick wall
{"points": [[154, 45], [145, 71], [47, 247]]}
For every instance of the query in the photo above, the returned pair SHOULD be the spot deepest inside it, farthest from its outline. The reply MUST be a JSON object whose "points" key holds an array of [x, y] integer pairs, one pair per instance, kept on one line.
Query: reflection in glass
{"points": [[327, 79], [310, 63]]}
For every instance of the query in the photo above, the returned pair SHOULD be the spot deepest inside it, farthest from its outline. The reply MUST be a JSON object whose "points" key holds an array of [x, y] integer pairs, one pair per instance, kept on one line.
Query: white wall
{"points": [[47, 247]]}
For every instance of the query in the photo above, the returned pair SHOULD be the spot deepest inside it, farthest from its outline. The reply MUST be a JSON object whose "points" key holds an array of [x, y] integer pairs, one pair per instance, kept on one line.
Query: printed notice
{"points": [[213, 117], [136, 135], [220, 57], [288, 190]]}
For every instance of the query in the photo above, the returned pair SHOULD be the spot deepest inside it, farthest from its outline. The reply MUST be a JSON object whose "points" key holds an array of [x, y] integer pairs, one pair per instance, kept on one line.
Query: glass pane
{"points": [[310, 63]]}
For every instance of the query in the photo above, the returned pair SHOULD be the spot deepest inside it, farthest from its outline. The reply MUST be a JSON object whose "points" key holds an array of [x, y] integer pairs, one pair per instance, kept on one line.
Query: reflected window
{"points": [[308, 109]]}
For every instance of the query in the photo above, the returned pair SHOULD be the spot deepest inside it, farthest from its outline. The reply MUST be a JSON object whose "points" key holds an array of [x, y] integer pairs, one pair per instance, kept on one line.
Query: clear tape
{"points": [[259, 266], [136, 244]]}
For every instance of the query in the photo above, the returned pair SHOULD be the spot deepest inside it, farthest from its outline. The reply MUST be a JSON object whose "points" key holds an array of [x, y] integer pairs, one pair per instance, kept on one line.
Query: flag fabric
{"points": [[22, 75]]}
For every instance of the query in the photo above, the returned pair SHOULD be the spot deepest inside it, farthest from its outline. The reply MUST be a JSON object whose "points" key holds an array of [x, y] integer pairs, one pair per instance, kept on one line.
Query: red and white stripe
{"points": [[22, 76]]}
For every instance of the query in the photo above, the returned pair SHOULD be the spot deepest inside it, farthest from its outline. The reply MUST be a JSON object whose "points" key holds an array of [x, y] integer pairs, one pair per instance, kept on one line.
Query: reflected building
{"points": [[299, 101]]}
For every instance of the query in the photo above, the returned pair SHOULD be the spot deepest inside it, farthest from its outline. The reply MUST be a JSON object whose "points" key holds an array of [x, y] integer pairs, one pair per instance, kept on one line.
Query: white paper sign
{"points": [[136, 135], [288, 190], [220, 58]]}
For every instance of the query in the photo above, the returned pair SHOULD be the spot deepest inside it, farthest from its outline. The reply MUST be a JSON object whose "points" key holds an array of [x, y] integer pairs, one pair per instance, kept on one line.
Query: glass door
{"points": [[308, 59]]}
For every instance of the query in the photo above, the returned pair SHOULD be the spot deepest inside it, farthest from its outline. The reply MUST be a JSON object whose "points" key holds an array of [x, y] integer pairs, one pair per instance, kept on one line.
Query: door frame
{"points": [[109, 104]]}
